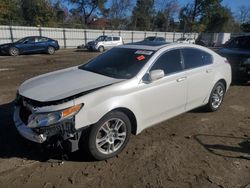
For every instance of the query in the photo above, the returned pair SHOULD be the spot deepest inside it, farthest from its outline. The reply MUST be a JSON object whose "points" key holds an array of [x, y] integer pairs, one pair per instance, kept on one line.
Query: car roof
{"points": [[155, 46], [34, 36], [146, 45], [242, 36], [108, 36]]}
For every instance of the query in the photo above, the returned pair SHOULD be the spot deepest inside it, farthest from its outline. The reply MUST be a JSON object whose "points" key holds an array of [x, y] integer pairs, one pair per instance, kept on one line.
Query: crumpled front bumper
{"points": [[25, 131]]}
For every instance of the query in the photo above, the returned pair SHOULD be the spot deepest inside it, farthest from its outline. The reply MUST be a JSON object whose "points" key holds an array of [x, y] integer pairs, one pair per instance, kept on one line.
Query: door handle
{"points": [[209, 70], [181, 79]]}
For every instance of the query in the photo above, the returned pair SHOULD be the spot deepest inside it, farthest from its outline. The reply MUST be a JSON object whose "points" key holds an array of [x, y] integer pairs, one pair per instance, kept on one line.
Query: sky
{"points": [[232, 4]]}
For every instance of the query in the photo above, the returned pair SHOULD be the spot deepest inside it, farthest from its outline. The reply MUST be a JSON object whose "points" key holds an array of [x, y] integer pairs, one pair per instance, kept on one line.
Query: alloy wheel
{"points": [[111, 136], [217, 96]]}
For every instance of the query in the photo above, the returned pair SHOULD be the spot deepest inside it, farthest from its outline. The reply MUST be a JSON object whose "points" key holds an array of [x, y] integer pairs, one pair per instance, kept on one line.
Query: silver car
{"points": [[104, 42]]}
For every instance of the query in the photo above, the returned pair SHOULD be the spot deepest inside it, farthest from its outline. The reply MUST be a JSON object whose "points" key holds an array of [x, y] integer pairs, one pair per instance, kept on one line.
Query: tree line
{"points": [[154, 15]]}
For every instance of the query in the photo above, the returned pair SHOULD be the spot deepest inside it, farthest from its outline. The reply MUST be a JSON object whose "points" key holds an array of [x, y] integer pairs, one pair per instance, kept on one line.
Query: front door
{"points": [[166, 97], [28, 46]]}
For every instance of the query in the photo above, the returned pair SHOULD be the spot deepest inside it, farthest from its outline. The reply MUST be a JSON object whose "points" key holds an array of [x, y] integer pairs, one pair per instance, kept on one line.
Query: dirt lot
{"points": [[195, 149]]}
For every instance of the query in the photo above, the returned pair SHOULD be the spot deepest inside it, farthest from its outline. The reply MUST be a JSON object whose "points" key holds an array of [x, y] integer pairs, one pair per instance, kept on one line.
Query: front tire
{"points": [[13, 51], [101, 49], [216, 97], [109, 136]]}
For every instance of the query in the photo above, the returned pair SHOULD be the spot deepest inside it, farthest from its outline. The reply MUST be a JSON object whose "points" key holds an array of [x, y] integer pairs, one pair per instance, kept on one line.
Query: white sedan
{"points": [[122, 91], [186, 40]]}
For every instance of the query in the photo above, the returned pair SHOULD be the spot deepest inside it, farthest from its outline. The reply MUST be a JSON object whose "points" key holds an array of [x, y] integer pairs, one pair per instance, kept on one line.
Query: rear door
{"points": [[41, 44], [200, 74], [116, 41]]}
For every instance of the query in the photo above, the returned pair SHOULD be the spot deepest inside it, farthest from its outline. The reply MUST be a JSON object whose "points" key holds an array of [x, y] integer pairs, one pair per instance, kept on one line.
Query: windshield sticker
{"points": [[144, 52], [140, 58]]}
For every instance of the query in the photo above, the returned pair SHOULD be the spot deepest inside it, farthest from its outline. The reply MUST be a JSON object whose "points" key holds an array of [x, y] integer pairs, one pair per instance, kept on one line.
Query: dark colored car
{"points": [[27, 45], [237, 52], [155, 39]]}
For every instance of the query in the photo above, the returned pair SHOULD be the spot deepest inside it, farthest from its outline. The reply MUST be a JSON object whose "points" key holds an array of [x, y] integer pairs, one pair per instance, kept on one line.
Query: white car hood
{"points": [[62, 84]]}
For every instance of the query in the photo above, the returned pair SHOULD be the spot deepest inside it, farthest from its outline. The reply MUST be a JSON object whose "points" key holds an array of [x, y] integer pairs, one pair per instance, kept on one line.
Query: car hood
{"points": [[92, 42], [6, 45], [233, 51], [63, 84]]}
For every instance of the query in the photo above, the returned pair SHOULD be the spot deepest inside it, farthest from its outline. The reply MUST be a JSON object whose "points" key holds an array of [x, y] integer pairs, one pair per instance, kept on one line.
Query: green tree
{"points": [[10, 11], [143, 14], [84, 9], [59, 12], [118, 13], [186, 18], [243, 17], [208, 16], [222, 21], [167, 9], [38, 12]]}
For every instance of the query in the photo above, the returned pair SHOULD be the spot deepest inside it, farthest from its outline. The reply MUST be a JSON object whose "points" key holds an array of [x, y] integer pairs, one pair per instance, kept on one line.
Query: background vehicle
{"points": [[33, 44], [104, 42], [186, 40], [122, 91], [82, 46], [237, 52], [155, 39]]}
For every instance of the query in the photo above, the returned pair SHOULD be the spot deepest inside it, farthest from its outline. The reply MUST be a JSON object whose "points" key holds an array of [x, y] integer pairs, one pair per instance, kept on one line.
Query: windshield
{"points": [[181, 39], [149, 39], [121, 63], [101, 38], [22, 40]]}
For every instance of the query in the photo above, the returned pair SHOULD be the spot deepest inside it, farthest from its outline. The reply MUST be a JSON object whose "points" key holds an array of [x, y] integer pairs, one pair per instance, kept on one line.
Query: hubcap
{"points": [[217, 97], [111, 136], [13, 51], [51, 50]]}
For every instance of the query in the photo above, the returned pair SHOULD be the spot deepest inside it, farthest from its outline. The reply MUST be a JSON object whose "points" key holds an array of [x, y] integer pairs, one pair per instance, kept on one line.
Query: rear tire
{"points": [[109, 136], [13, 51], [216, 97], [51, 50]]}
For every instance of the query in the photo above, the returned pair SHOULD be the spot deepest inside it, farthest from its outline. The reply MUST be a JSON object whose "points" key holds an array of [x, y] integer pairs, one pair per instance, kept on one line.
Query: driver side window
{"points": [[169, 62], [29, 41]]}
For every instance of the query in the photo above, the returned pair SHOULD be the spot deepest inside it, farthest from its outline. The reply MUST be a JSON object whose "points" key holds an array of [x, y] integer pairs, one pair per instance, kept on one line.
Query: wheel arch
{"points": [[131, 117], [223, 81]]}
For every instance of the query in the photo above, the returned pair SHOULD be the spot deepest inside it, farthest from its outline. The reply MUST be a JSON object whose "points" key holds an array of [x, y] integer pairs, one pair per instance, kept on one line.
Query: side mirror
{"points": [[156, 74]]}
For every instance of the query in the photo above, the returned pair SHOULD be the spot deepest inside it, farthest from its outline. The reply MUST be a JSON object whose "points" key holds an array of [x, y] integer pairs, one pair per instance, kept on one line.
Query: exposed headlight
{"points": [[46, 119], [247, 61]]}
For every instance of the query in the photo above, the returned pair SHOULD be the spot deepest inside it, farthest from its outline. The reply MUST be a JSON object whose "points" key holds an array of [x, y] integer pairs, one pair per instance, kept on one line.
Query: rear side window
{"points": [[170, 62], [159, 39], [116, 38], [196, 58], [42, 39]]}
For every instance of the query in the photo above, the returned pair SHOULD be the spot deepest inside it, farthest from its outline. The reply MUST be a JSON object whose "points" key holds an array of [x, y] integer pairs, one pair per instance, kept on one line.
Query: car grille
{"points": [[24, 114], [60, 128]]}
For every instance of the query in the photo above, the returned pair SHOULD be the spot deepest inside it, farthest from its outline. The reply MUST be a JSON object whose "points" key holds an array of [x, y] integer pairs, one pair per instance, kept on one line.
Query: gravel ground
{"points": [[195, 149]]}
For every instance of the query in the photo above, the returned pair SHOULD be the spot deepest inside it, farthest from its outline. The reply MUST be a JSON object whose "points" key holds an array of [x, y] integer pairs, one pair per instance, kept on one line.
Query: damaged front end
{"points": [[48, 127]]}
